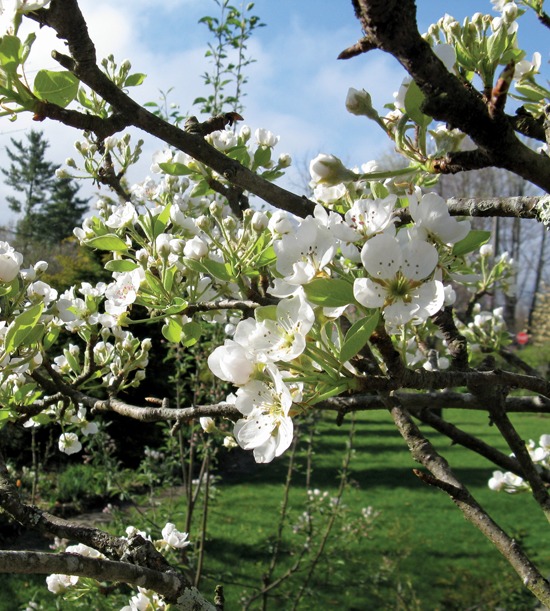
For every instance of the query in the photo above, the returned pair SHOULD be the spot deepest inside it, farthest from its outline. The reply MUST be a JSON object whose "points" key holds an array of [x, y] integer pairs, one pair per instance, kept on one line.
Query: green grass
{"points": [[421, 554], [420, 546]]}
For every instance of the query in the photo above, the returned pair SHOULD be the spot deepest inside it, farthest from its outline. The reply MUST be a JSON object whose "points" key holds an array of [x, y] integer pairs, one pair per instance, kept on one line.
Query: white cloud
{"points": [[296, 88]]}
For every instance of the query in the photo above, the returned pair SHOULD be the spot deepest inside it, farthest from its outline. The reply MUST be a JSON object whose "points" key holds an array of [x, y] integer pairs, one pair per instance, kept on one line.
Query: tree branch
{"points": [[66, 19], [442, 477], [391, 26]]}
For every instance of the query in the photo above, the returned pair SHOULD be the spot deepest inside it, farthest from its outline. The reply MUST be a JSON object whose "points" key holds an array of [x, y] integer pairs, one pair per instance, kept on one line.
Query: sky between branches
{"points": [[296, 88]]}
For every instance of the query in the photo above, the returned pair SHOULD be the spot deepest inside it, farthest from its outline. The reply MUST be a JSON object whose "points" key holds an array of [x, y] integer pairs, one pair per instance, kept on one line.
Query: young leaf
{"points": [[10, 53], [414, 99], [175, 169], [21, 327], [121, 265], [358, 335], [218, 270], [262, 156], [59, 88], [471, 242], [172, 330], [109, 241], [191, 333], [133, 80], [160, 222], [329, 292]]}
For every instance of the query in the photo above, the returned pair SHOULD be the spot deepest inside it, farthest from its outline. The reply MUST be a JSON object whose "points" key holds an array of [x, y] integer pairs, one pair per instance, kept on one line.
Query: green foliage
{"points": [[230, 33], [50, 206], [56, 87]]}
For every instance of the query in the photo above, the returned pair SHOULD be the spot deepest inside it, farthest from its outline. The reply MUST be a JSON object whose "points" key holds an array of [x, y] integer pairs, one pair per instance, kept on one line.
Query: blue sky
{"points": [[297, 87]]}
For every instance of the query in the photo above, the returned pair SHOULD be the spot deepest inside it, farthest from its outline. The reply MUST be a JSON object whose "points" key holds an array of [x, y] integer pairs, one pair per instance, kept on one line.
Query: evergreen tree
{"points": [[49, 205], [61, 213], [30, 175]]}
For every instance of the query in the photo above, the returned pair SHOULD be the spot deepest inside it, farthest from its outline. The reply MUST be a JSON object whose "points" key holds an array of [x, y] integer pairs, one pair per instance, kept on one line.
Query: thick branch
{"points": [[418, 402], [66, 19], [103, 570], [391, 26], [466, 440]]}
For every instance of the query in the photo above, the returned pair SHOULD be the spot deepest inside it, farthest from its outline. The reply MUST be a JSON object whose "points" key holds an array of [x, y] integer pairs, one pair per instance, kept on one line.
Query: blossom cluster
{"points": [[512, 483], [176, 244], [172, 538], [34, 315]]}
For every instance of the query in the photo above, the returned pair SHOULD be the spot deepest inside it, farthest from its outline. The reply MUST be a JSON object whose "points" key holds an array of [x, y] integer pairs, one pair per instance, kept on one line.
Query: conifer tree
{"points": [[48, 205]]}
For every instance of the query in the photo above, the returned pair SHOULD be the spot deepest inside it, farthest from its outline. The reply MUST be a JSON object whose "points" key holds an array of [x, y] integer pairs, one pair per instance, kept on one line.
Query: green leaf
{"points": [[121, 265], [72, 361], [58, 88], [358, 335], [218, 270], [531, 90], [6, 288], [177, 307], [267, 257], [35, 334], [471, 242], [240, 154], [168, 278], [160, 222], [27, 46], [496, 44], [329, 292], [50, 338], [195, 265], [175, 169], [414, 99], [10, 53], [191, 333], [21, 327], [133, 80], [154, 283], [268, 312], [172, 330], [201, 188], [262, 156], [109, 241]]}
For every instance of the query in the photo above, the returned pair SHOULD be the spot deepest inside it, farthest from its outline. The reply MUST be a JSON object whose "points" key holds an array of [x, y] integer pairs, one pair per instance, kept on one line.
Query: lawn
{"points": [[420, 553]]}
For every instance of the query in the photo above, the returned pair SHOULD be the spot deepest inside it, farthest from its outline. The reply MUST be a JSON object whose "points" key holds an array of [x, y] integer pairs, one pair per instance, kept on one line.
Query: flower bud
{"points": [[215, 208], [259, 221], [229, 223], [329, 170], [285, 160], [265, 138], [40, 267], [360, 103], [486, 250], [245, 133]]}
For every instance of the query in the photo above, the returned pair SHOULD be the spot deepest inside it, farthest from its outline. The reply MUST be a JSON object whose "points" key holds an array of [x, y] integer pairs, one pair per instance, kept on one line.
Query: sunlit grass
{"points": [[421, 547]]}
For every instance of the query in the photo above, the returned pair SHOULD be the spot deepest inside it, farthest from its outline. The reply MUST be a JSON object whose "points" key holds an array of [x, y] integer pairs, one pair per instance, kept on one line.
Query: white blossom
{"points": [[59, 583], [267, 429], [265, 138], [69, 443], [10, 262], [400, 280], [174, 538]]}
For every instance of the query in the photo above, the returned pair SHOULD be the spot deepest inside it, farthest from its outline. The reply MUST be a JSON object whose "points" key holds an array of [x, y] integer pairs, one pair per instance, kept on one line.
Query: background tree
{"points": [[49, 205], [33, 177], [61, 213]]}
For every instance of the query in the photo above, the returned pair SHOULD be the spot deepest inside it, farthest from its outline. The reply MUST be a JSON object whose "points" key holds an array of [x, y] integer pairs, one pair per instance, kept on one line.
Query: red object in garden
{"points": [[522, 338]]}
